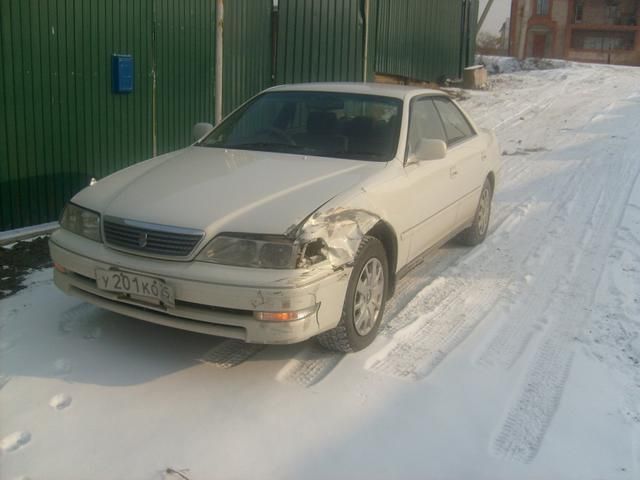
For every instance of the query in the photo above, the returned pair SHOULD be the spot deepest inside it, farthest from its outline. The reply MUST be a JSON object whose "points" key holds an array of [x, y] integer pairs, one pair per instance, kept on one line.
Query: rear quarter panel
{"points": [[494, 156]]}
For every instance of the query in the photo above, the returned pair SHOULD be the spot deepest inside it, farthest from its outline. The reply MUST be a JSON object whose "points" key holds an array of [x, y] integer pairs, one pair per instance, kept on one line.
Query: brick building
{"points": [[599, 31]]}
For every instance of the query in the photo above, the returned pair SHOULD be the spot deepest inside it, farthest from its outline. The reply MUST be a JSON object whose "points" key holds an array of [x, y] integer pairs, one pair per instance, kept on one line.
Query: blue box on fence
{"points": [[122, 73]]}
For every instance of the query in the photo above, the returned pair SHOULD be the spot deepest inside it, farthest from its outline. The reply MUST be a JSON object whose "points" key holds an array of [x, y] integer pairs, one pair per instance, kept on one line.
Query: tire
{"points": [[477, 232], [358, 327]]}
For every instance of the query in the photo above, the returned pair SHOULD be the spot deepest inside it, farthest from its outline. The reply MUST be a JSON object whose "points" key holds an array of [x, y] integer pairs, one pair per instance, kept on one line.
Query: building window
{"points": [[542, 7], [613, 14], [602, 40], [579, 12]]}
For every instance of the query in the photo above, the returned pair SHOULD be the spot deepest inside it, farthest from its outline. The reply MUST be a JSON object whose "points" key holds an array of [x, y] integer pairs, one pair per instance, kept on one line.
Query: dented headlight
{"points": [[81, 222], [251, 251]]}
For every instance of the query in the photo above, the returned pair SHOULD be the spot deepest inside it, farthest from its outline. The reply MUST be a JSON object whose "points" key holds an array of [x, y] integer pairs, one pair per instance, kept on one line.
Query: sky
{"points": [[498, 14]]}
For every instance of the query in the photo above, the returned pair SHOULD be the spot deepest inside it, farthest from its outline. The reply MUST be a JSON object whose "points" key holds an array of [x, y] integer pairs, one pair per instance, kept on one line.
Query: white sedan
{"points": [[293, 218]]}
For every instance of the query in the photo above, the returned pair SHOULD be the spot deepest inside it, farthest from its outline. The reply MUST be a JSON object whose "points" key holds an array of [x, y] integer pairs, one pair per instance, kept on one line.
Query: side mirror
{"points": [[429, 150], [200, 130]]}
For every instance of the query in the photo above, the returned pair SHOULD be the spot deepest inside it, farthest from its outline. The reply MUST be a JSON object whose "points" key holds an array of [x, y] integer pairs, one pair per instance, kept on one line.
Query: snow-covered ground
{"points": [[518, 359]]}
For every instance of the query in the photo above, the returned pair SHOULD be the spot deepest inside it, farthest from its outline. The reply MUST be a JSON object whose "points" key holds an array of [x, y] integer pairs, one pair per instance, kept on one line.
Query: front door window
{"points": [[425, 123]]}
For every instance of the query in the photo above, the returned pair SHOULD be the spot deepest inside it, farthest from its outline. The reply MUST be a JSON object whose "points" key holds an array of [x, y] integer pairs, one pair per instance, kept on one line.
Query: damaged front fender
{"points": [[340, 231]]}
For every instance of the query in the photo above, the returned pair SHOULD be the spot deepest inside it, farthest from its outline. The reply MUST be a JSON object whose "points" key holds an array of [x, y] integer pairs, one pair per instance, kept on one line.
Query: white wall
{"points": [[498, 14]]}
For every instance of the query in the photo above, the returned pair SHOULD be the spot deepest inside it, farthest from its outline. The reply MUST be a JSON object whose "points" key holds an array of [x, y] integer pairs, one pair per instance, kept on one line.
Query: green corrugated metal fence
{"points": [[323, 40], [419, 39], [60, 124], [183, 53], [247, 50], [320, 40]]}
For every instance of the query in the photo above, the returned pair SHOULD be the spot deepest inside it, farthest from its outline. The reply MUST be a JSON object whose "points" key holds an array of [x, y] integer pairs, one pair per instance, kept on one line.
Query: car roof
{"points": [[381, 89]]}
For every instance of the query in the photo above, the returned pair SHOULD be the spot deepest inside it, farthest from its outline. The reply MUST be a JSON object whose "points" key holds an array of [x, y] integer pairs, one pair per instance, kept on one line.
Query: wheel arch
{"points": [[492, 180], [387, 236]]}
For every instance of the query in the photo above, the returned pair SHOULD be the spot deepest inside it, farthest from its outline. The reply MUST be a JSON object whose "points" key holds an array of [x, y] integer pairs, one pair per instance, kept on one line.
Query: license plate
{"points": [[134, 284]]}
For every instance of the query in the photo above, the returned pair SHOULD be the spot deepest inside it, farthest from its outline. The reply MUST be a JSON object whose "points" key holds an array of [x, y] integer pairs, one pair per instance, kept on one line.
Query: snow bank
{"points": [[509, 64]]}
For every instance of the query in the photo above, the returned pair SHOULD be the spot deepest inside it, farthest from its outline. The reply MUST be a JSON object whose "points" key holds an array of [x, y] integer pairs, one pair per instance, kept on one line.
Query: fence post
{"points": [[219, 53], [365, 62]]}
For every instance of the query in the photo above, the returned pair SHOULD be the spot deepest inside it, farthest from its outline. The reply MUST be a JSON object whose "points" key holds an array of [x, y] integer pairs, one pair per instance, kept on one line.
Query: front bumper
{"points": [[212, 299]]}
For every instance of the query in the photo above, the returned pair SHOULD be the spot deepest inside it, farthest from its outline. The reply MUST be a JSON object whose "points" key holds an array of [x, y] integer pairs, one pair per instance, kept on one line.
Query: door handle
{"points": [[453, 172]]}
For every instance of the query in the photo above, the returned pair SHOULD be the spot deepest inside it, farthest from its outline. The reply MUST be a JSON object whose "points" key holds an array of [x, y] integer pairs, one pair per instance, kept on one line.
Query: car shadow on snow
{"points": [[46, 334], [50, 335]]}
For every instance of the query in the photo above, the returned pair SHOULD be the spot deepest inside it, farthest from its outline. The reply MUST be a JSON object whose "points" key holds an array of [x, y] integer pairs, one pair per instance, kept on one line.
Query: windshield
{"points": [[328, 124]]}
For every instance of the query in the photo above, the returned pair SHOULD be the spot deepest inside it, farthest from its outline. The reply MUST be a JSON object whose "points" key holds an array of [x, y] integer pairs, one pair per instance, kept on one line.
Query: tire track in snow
{"points": [[505, 220], [616, 312], [416, 349], [523, 430], [231, 353], [309, 366], [456, 305], [420, 347], [531, 412], [545, 97], [510, 341], [432, 283], [546, 267], [428, 273]]}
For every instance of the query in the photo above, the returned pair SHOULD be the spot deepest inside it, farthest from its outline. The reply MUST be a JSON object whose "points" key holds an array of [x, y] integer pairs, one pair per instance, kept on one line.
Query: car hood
{"points": [[219, 190]]}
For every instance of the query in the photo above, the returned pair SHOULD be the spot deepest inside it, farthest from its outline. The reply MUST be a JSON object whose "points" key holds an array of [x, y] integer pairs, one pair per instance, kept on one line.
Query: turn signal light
{"points": [[59, 267], [285, 316]]}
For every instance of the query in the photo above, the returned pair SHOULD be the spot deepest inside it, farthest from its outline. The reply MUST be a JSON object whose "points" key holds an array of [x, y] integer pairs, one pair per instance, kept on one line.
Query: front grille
{"points": [[150, 238]]}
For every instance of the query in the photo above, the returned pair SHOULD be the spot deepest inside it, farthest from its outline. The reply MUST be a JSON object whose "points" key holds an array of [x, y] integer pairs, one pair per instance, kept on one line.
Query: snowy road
{"points": [[517, 359]]}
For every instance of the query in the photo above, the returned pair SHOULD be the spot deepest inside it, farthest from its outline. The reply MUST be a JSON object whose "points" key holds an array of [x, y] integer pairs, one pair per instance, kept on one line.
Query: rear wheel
{"points": [[477, 232], [364, 303]]}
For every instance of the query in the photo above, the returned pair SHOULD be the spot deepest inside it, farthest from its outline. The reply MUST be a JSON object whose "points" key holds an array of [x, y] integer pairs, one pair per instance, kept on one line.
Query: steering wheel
{"points": [[279, 134]]}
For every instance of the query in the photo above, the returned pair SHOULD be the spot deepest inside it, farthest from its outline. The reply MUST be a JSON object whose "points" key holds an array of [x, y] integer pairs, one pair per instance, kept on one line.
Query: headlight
{"points": [[81, 221], [251, 251]]}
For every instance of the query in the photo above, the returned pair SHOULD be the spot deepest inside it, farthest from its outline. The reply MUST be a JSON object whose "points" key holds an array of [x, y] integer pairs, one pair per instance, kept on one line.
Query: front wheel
{"points": [[364, 303], [477, 232]]}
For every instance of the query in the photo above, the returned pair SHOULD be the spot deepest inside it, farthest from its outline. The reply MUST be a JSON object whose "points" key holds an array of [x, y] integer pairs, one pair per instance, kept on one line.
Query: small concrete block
{"points": [[475, 77]]}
